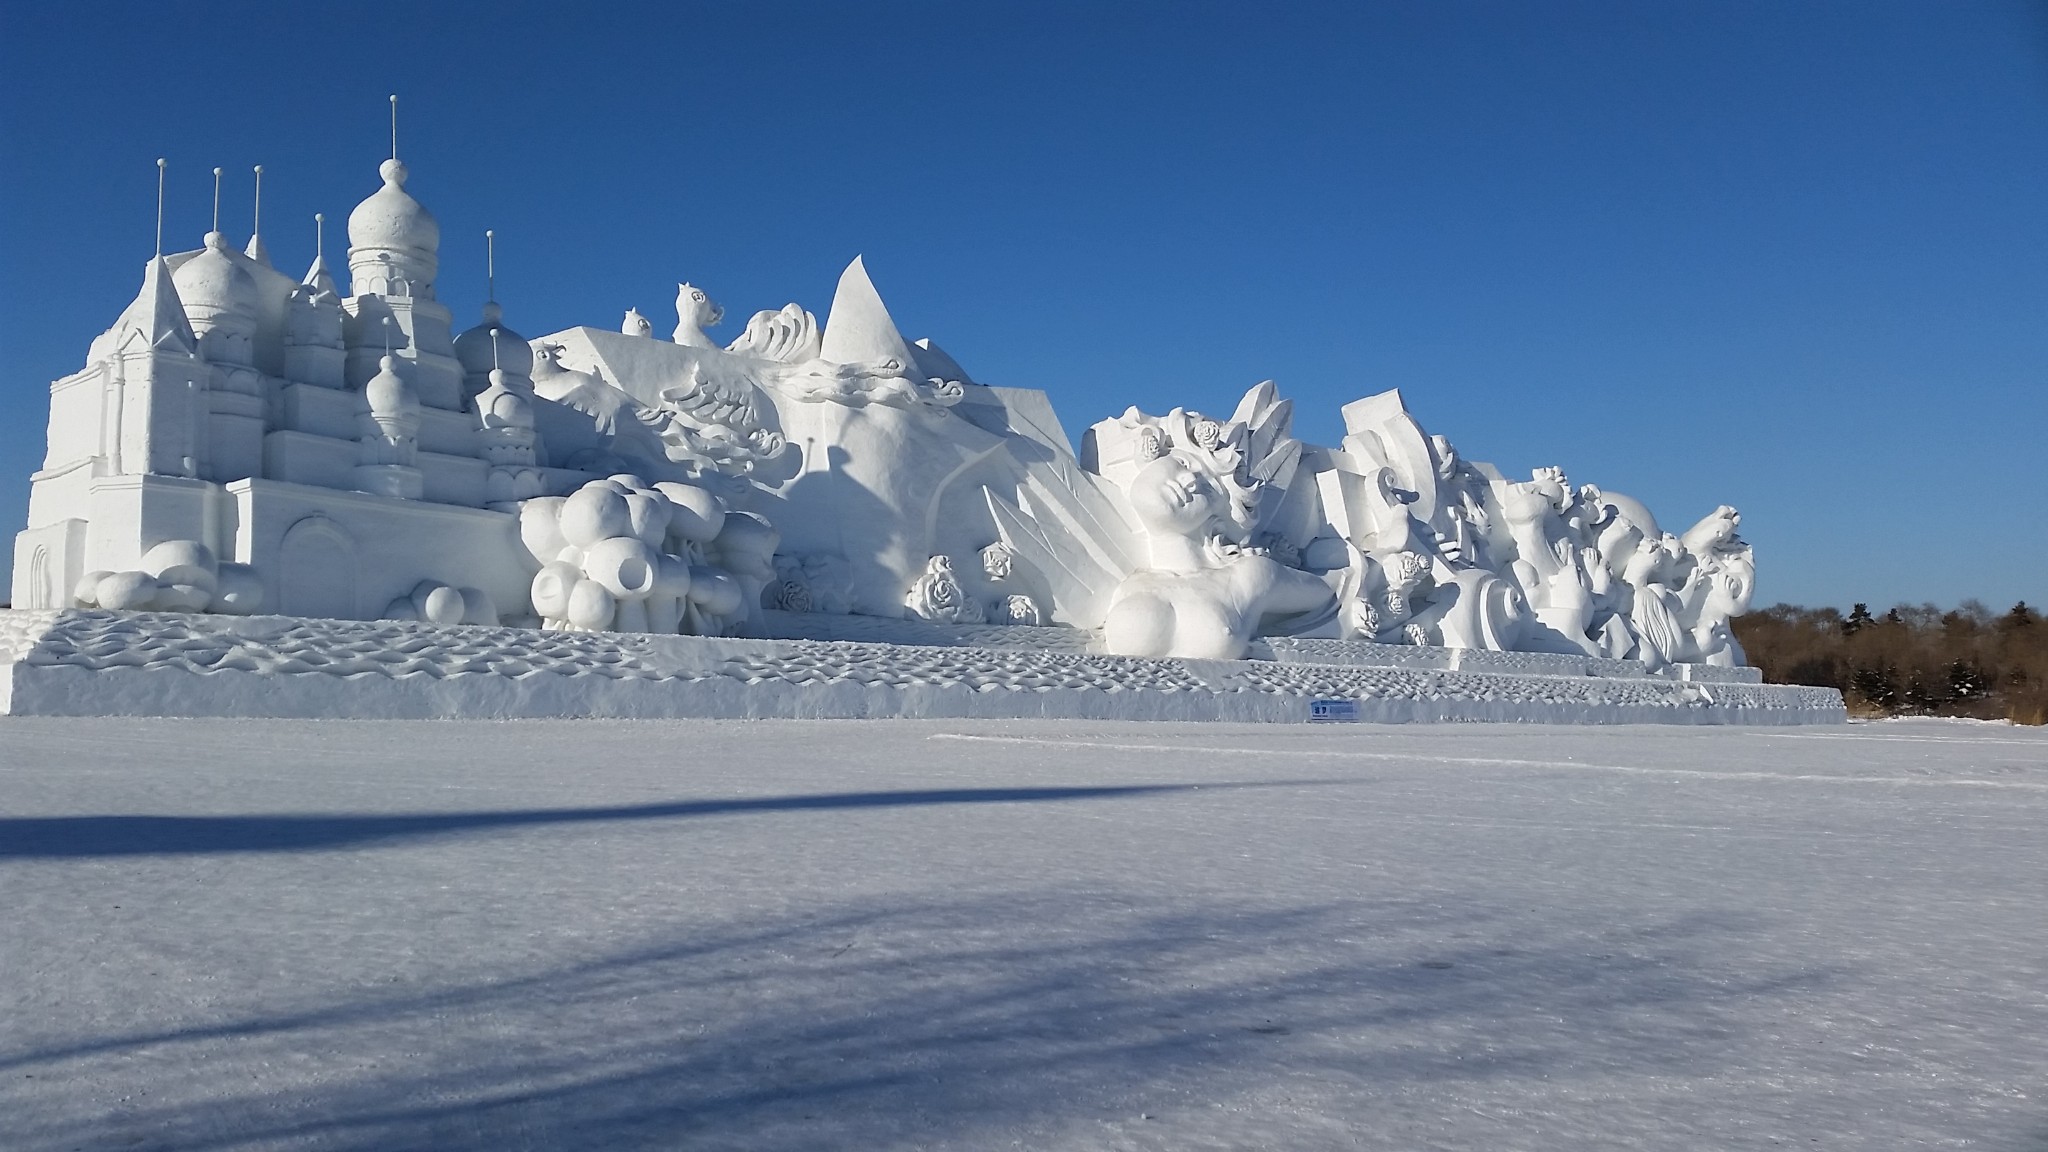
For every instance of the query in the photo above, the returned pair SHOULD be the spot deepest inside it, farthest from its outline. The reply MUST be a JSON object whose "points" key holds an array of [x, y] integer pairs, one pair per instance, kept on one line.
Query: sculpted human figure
{"points": [[1200, 598]]}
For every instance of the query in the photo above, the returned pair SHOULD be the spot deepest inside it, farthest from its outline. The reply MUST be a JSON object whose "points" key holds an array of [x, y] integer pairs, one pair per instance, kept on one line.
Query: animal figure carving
{"points": [[695, 312]]}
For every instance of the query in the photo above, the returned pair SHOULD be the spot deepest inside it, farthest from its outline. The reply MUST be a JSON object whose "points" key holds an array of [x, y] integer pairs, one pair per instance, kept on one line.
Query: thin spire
{"points": [[216, 200], [495, 366], [160, 206], [320, 237], [491, 267], [256, 251], [394, 126], [387, 337]]}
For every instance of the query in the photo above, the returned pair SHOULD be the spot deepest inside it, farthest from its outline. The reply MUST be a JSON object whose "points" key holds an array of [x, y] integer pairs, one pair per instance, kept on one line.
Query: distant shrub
{"points": [[1911, 660]]}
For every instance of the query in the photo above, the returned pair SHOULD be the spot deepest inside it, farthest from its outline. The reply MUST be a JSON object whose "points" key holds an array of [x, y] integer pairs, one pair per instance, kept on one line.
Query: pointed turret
{"points": [[153, 321], [859, 330]]}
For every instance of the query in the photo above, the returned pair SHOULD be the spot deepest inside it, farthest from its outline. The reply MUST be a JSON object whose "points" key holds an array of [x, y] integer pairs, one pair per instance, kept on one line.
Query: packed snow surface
{"points": [[817, 935]]}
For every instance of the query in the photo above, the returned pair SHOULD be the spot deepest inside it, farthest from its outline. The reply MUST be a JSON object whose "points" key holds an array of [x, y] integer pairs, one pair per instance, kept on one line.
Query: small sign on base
{"points": [[1333, 711]]}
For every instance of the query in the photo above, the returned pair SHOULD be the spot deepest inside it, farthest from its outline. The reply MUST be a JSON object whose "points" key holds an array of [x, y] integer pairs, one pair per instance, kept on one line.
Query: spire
{"points": [[256, 251], [317, 277], [215, 230], [159, 206], [491, 266], [156, 315], [394, 125]]}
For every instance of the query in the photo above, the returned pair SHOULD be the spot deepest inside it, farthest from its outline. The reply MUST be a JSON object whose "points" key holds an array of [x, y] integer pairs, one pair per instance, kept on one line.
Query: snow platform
{"points": [[101, 663]]}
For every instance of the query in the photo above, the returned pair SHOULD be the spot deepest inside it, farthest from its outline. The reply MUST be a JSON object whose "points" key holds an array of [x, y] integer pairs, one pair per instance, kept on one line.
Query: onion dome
{"points": [[502, 405], [213, 283], [387, 393], [475, 349], [391, 218]]}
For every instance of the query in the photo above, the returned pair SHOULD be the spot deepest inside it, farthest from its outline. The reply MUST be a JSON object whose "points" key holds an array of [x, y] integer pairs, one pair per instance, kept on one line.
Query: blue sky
{"points": [[1787, 256]]}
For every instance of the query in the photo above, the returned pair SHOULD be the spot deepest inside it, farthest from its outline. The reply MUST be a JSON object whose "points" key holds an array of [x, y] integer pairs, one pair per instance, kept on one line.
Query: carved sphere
{"points": [[698, 516], [437, 603], [540, 526], [86, 593], [651, 513], [591, 606], [182, 562], [714, 591], [128, 592], [551, 588], [593, 513], [240, 592], [626, 567], [182, 597]]}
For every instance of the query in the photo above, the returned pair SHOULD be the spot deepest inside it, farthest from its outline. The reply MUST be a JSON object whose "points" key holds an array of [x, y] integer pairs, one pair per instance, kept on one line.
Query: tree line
{"points": [[1910, 661]]}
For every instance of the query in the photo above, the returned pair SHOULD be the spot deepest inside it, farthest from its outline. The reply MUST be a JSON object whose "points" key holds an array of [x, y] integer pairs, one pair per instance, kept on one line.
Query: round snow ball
{"points": [[540, 526], [551, 587], [627, 481], [182, 597], [650, 512], [591, 606], [478, 607], [181, 562], [240, 592], [87, 593], [128, 591], [595, 513], [747, 537], [674, 578], [438, 603], [626, 567], [714, 591], [699, 516]]}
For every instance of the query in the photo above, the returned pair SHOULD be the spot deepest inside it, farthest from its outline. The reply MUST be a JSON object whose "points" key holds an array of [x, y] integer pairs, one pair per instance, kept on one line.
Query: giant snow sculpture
{"points": [[240, 442]]}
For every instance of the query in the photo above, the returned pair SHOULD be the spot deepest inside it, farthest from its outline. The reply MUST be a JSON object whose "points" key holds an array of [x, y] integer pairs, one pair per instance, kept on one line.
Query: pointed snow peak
{"points": [[155, 319], [858, 330], [318, 279], [256, 251]]}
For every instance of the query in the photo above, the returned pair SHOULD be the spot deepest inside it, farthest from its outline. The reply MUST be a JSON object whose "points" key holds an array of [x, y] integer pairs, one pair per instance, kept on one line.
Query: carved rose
{"points": [[996, 561], [1207, 433]]}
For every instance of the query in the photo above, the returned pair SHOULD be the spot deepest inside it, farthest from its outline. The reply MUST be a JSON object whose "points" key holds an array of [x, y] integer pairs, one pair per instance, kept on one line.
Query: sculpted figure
{"points": [[636, 325], [1201, 598], [695, 312]]}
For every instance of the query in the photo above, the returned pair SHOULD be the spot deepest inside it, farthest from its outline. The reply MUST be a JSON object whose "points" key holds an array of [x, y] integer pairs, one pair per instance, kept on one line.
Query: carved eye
{"points": [[696, 296]]}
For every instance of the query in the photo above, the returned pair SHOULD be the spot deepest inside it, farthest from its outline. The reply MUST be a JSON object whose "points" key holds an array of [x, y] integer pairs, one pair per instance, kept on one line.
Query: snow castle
{"points": [[252, 473]]}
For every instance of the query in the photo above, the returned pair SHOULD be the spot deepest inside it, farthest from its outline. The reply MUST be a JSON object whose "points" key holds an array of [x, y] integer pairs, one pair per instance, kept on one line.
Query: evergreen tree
{"points": [[1859, 616]]}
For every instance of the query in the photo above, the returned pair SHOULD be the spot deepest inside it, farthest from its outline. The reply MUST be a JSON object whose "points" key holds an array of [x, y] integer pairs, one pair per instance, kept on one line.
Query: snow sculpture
{"points": [[1200, 595], [621, 555], [937, 595], [356, 459]]}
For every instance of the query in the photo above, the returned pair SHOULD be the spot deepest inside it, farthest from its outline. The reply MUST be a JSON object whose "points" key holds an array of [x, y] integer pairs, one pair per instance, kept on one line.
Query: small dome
{"points": [[391, 218], [501, 407], [387, 393], [473, 347], [213, 281]]}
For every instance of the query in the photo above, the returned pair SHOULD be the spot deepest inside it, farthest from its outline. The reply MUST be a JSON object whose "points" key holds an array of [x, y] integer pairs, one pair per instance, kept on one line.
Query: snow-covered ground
{"points": [[822, 935]]}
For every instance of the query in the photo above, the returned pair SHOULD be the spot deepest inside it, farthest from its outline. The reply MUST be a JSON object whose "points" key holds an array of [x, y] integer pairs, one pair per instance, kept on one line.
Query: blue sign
{"points": [[1332, 711]]}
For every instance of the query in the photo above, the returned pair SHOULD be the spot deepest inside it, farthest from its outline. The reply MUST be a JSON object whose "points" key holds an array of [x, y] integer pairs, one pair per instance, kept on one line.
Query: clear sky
{"points": [[1788, 256]]}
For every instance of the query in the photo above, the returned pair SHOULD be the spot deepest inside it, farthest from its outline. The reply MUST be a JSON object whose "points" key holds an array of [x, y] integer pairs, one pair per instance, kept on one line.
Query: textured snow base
{"points": [[94, 663], [973, 935]]}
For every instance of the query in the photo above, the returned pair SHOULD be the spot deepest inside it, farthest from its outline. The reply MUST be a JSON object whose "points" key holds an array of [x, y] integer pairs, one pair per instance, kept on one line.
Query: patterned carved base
{"points": [[104, 663]]}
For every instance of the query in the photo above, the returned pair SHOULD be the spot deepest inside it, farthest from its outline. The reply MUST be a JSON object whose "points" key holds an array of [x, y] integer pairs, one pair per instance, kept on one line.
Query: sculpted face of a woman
{"points": [[1173, 498]]}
